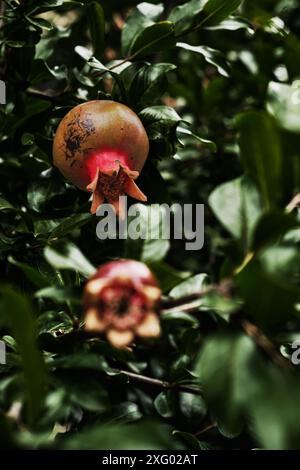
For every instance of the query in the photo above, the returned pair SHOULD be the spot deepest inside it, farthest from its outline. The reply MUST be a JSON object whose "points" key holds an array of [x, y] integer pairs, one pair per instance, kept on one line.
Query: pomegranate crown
{"points": [[121, 301]]}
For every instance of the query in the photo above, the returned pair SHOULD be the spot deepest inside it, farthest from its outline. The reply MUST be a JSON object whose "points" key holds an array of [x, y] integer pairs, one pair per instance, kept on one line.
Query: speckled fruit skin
{"points": [[93, 136]]}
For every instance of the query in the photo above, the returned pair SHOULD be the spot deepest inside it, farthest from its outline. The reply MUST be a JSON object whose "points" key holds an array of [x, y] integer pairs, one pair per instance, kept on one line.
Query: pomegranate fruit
{"points": [[101, 147], [121, 300]]}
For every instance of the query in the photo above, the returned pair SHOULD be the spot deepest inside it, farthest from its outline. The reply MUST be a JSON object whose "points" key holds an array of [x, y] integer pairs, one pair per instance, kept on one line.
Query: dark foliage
{"points": [[216, 85]]}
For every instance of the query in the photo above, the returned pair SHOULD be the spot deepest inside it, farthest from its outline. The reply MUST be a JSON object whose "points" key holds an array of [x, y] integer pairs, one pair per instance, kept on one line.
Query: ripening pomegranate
{"points": [[101, 147], [121, 301]]}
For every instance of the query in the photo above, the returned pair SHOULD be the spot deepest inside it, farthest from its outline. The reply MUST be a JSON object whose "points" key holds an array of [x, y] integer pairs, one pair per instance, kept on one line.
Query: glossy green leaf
{"points": [[271, 227], [5, 205], [283, 104], [32, 273], [201, 13], [212, 56], [233, 24], [159, 113], [190, 286], [69, 224], [168, 276], [164, 404], [154, 38], [261, 155], [59, 294], [183, 132], [237, 206], [143, 16], [141, 436], [146, 83], [268, 299], [223, 366], [18, 313], [39, 23], [69, 257], [97, 26]]}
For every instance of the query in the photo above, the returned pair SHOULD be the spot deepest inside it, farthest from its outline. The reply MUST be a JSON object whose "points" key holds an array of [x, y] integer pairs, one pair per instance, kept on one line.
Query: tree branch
{"points": [[191, 303], [186, 303], [264, 343], [161, 383]]}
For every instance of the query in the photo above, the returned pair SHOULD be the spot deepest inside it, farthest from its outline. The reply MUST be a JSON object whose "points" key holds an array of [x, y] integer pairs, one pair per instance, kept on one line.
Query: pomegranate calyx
{"points": [[112, 183]]}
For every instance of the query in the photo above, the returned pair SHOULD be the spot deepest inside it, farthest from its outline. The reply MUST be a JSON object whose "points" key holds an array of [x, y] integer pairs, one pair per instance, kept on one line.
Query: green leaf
{"points": [[96, 20], [17, 310], [215, 11], [272, 226], [184, 16], [27, 139], [178, 318], [115, 74], [85, 360], [153, 243], [31, 273], [59, 295], [41, 191], [141, 436], [155, 250], [41, 72], [83, 389], [148, 82], [69, 224], [40, 23], [261, 154], [276, 430], [164, 404], [200, 13], [143, 15], [235, 362], [283, 104], [212, 56], [233, 24], [158, 192], [16, 44], [282, 263], [8, 440], [159, 113], [192, 285], [5, 205], [268, 298], [237, 206], [55, 4], [192, 406], [223, 368], [191, 441], [54, 322], [156, 37], [168, 277], [69, 257], [183, 132], [223, 306], [34, 108]]}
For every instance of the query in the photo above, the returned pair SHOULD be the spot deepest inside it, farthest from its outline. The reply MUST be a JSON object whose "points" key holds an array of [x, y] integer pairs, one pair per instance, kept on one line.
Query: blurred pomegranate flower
{"points": [[121, 300]]}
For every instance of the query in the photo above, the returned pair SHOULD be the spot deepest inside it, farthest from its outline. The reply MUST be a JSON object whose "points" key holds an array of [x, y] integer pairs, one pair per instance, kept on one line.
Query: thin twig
{"points": [[161, 383], [186, 303], [207, 428], [264, 343]]}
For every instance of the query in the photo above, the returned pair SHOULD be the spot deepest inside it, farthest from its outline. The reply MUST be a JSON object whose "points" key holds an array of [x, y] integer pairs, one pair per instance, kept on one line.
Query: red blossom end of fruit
{"points": [[111, 177]]}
